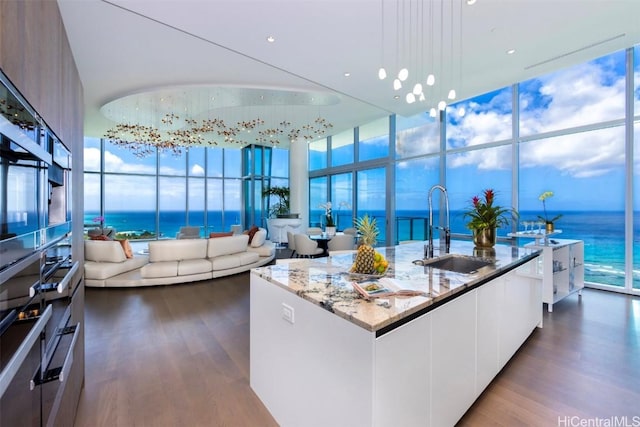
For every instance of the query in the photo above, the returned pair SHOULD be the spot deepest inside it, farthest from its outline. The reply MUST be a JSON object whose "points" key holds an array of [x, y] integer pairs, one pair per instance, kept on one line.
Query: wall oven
{"points": [[41, 288], [39, 335]]}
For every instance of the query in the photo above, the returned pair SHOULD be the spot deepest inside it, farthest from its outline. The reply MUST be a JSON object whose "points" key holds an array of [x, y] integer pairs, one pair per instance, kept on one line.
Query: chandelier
{"points": [[173, 119], [417, 63]]}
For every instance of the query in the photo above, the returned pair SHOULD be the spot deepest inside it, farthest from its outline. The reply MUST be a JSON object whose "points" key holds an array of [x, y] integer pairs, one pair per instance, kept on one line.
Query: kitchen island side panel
{"points": [[316, 371]]}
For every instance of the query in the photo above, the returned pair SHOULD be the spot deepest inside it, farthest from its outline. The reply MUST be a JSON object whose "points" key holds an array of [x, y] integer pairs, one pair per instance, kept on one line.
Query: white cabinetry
{"points": [[453, 346], [324, 370], [561, 268]]}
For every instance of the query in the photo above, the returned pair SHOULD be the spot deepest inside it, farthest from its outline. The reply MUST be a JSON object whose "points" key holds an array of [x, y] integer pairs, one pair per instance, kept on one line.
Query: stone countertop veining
{"points": [[326, 282]]}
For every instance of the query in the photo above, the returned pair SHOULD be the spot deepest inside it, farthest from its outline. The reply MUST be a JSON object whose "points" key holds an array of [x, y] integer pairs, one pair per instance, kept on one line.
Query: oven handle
{"points": [[21, 354], [68, 361], [59, 373], [67, 277]]}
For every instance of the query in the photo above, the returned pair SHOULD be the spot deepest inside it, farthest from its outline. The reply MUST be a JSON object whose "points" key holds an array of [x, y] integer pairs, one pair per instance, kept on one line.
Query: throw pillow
{"points": [[251, 232], [126, 247], [259, 238], [213, 235]]}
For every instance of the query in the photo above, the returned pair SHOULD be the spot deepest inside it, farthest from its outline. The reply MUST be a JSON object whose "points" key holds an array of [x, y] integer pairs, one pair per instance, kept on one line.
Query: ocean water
{"points": [[602, 232], [140, 223]]}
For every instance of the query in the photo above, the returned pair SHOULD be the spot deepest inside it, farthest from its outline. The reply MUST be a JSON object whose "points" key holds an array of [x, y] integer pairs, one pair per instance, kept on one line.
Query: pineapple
{"points": [[365, 257]]}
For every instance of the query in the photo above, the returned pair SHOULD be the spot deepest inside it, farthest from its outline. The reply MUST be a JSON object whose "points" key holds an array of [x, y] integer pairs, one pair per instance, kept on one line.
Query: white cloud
{"points": [[92, 159], [115, 163], [498, 158], [419, 140], [577, 96], [482, 127], [197, 170]]}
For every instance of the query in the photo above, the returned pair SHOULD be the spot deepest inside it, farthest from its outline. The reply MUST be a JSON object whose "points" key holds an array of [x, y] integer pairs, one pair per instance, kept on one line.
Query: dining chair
{"points": [[350, 230], [291, 243], [305, 247], [341, 242], [314, 231], [188, 232]]}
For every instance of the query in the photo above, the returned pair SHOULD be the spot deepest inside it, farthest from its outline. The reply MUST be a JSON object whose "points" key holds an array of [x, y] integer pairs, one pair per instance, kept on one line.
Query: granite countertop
{"points": [[326, 282]]}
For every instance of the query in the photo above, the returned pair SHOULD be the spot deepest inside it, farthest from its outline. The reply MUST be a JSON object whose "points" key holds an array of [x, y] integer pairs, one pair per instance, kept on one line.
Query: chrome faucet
{"points": [[428, 250]]}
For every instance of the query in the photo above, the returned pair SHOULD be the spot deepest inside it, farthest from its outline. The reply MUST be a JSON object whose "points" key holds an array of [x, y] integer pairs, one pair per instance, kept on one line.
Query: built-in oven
{"points": [[22, 325], [39, 336], [60, 291], [41, 291]]}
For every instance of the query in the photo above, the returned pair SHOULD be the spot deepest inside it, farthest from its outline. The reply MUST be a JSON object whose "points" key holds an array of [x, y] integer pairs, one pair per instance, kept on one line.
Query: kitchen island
{"points": [[323, 355]]}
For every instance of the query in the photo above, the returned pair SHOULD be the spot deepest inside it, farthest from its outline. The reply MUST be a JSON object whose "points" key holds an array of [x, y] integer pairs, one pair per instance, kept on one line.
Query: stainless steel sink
{"points": [[456, 263]]}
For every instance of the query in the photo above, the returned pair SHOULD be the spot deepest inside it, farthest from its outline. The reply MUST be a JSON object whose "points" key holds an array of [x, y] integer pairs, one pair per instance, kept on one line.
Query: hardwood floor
{"points": [[170, 356], [179, 355]]}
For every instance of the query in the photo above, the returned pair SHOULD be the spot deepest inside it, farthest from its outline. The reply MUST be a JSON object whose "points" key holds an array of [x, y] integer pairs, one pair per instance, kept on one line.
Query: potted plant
{"points": [[485, 218], [330, 225], [281, 208], [549, 223]]}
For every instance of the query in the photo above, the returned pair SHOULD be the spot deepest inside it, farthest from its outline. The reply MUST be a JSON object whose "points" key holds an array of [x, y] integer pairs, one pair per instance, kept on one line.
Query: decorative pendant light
{"points": [[382, 73]]}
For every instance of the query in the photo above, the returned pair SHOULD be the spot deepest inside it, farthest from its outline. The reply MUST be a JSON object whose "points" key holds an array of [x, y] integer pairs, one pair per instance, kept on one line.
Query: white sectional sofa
{"points": [[174, 261]]}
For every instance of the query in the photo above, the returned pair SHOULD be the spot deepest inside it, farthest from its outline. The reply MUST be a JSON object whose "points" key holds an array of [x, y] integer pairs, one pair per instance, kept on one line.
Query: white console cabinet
{"points": [[561, 268]]}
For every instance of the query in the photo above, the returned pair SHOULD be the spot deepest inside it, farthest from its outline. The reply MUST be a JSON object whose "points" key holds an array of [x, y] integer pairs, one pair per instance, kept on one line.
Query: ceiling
{"points": [[198, 49]]}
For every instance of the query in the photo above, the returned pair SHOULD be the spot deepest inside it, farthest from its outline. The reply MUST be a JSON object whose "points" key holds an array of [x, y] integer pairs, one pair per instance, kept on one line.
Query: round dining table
{"points": [[323, 240]]}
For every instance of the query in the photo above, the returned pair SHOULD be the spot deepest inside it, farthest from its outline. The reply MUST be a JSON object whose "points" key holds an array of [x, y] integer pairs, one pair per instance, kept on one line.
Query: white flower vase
{"points": [[331, 231]]}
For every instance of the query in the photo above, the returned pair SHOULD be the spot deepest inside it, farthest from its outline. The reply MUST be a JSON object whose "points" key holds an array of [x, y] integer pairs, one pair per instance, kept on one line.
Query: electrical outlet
{"points": [[287, 313]]}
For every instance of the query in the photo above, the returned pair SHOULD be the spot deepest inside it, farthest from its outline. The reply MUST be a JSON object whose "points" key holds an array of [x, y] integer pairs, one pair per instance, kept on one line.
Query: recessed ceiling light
{"points": [[470, 2], [511, 51], [271, 39], [347, 74]]}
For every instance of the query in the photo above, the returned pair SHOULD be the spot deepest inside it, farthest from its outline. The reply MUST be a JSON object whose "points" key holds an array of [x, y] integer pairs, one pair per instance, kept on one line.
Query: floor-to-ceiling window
{"points": [[413, 180], [230, 173], [371, 198], [317, 154], [153, 196], [342, 199], [351, 194], [317, 199], [417, 145], [264, 168], [469, 174], [373, 140], [588, 194], [342, 151], [566, 132], [196, 185]]}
